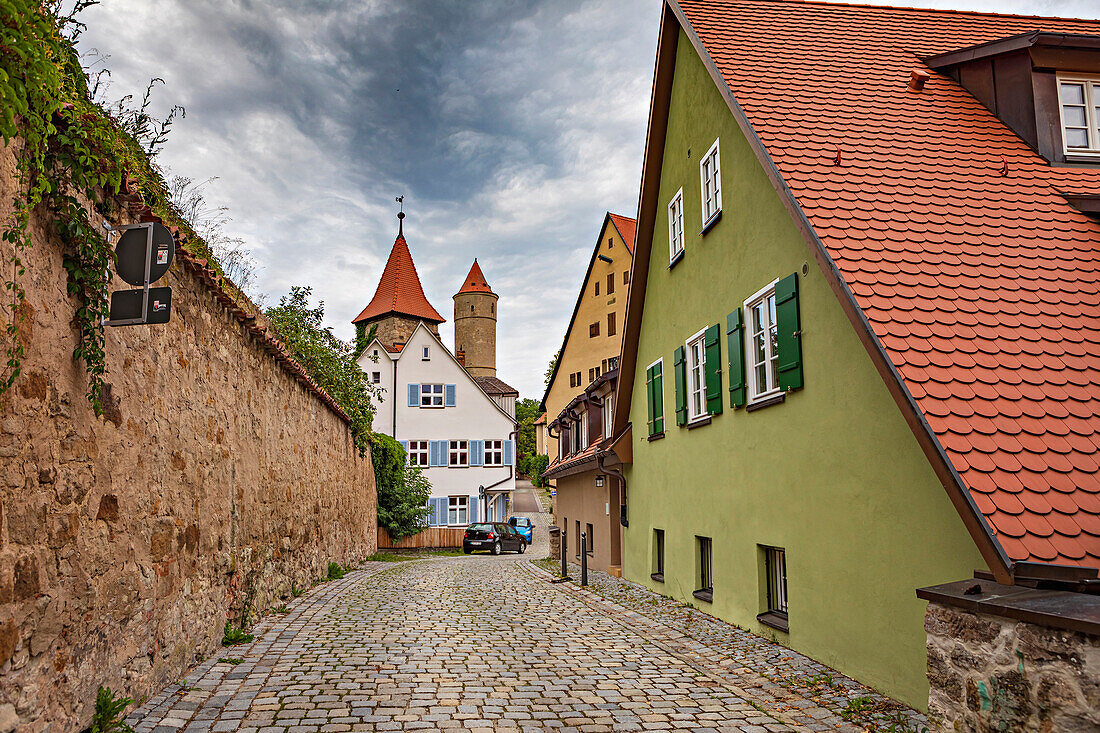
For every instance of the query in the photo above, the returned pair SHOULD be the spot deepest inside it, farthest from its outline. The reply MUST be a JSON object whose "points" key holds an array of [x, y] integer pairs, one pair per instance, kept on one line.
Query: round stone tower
{"points": [[476, 324]]}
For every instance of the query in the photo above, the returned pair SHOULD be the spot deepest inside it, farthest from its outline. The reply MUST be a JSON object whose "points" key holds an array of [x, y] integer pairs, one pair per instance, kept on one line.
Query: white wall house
{"points": [[461, 437]]}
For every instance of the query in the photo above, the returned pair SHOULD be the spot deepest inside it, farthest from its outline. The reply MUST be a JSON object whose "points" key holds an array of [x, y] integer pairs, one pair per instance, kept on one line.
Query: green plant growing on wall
{"points": [[329, 360], [335, 571], [403, 490], [234, 636], [108, 715]]}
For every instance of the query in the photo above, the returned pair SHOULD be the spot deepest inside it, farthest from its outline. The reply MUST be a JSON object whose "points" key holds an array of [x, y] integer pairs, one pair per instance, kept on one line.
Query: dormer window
{"points": [[1079, 100]]}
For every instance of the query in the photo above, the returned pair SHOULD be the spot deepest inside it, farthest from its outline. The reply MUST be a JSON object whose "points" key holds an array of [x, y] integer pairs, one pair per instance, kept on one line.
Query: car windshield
{"points": [[481, 527], [523, 522]]}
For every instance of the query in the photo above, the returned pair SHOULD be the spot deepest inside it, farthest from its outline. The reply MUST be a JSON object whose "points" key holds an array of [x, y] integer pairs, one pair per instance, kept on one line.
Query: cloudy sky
{"points": [[510, 126]]}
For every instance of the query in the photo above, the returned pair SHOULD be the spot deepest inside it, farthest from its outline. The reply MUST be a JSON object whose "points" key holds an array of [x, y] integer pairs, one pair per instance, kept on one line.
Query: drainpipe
{"points": [[393, 397], [511, 469], [600, 455]]}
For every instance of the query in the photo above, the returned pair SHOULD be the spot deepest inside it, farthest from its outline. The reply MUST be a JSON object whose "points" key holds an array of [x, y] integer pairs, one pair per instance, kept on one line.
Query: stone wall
{"points": [[395, 329], [476, 332], [992, 672], [214, 482]]}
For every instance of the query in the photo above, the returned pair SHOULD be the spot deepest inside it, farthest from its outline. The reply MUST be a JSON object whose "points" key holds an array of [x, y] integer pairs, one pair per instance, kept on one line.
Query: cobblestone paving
{"points": [[480, 643], [801, 689]]}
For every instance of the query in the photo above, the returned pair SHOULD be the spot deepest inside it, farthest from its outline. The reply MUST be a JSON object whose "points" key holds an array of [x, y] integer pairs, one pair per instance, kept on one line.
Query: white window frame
{"points": [[494, 453], [419, 454], [758, 392], [608, 413], [458, 510], [376, 377], [433, 396], [427, 355], [696, 381], [676, 227], [1090, 85], [710, 205], [584, 428], [458, 453]]}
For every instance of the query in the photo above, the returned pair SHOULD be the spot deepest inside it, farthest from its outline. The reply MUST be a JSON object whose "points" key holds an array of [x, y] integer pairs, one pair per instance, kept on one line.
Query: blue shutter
{"points": [[477, 452], [414, 395], [439, 511], [474, 503], [509, 453], [448, 395], [437, 453], [405, 445]]}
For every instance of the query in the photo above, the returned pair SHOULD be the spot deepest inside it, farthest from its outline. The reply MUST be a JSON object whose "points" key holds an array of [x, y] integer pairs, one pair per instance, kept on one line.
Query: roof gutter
{"points": [[990, 549]]}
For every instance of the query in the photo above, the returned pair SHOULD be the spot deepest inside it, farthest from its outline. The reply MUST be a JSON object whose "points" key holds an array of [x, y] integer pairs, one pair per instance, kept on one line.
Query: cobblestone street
{"points": [[483, 643]]}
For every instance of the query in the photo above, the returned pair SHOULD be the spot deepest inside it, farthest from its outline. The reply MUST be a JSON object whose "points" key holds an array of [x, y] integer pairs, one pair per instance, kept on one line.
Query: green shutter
{"points": [[712, 343], [658, 399], [788, 333], [681, 387], [649, 399], [735, 347]]}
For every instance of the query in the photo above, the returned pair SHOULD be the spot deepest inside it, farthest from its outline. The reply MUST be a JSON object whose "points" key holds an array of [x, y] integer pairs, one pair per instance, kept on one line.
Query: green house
{"points": [[839, 382]]}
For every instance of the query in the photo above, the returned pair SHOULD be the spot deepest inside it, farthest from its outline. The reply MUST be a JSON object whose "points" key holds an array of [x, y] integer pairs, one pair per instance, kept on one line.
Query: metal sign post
{"points": [[143, 255]]}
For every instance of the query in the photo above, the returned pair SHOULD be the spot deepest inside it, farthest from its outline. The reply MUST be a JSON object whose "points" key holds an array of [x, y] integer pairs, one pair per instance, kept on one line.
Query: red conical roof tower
{"points": [[399, 291], [475, 281]]}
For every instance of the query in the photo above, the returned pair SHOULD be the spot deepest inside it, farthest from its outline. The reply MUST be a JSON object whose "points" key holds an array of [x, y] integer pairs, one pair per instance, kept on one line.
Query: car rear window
{"points": [[482, 527], [523, 522]]}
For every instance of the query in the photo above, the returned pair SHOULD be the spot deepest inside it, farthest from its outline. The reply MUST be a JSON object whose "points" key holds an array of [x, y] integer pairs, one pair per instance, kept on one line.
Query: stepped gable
{"points": [[979, 279], [399, 289]]}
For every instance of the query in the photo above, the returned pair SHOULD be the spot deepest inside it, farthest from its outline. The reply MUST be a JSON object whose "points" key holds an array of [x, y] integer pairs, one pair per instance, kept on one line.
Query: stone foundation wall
{"points": [[989, 673], [213, 483]]}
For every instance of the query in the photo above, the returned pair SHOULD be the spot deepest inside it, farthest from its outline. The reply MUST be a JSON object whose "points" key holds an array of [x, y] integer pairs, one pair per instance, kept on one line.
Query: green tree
{"points": [[550, 368], [527, 411], [403, 490], [328, 360]]}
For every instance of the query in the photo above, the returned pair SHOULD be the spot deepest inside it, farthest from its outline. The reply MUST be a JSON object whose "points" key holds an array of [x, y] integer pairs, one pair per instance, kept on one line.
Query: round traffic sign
{"points": [[133, 247]]}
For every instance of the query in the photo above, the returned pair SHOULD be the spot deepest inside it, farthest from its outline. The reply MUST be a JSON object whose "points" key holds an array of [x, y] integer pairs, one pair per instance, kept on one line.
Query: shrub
{"points": [[403, 490], [535, 465], [335, 571], [108, 713]]}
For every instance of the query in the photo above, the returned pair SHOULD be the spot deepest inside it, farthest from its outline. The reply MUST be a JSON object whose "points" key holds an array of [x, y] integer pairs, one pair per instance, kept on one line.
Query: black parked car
{"points": [[496, 538]]}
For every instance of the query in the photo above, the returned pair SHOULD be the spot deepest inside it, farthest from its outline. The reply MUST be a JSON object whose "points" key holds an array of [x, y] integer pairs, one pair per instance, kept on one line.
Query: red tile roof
{"points": [[983, 287], [626, 227], [399, 289], [475, 281]]}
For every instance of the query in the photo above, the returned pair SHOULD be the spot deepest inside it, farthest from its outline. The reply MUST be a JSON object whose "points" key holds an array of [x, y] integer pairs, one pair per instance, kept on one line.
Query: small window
{"points": [[597, 372], [610, 283], [613, 363], [589, 539], [710, 178], [591, 375], [431, 395], [658, 573], [696, 376], [1079, 104], [427, 354], [610, 242], [583, 432], [458, 508], [775, 573], [675, 227], [375, 377], [626, 277], [705, 591], [492, 308], [597, 287], [375, 354], [611, 324], [494, 452], [578, 542], [578, 379], [594, 329], [418, 453], [608, 414], [572, 380], [761, 345], [459, 453]]}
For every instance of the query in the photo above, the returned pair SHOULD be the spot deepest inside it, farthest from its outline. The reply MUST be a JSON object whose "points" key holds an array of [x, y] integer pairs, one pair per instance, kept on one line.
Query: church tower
{"points": [[476, 324], [399, 303]]}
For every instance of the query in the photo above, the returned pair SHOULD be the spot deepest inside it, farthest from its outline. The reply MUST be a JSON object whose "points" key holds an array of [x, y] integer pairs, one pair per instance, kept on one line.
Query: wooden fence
{"points": [[438, 537]]}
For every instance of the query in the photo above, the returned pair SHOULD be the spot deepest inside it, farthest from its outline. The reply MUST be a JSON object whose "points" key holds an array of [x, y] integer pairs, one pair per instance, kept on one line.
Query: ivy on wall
{"points": [[69, 151]]}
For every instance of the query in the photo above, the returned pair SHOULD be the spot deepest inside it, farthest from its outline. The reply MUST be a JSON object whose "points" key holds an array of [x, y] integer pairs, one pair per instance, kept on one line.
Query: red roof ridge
{"points": [[399, 289], [475, 281], [941, 11]]}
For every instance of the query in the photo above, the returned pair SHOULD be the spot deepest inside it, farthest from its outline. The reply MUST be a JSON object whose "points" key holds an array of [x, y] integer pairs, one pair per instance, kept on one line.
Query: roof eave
{"points": [[980, 531]]}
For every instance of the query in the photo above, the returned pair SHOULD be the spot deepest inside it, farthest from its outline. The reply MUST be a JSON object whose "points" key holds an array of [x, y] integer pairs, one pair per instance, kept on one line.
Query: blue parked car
{"points": [[523, 526]]}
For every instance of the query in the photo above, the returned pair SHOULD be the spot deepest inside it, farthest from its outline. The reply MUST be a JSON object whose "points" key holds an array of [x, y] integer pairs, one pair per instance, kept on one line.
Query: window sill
{"points": [[656, 436], [698, 423], [659, 577], [704, 595], [774, 620], [709, 223], [766, 402], [674, 260]]}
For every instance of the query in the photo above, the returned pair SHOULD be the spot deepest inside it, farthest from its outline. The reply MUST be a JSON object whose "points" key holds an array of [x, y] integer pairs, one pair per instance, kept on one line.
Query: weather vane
{"points": [[400, 215]]}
